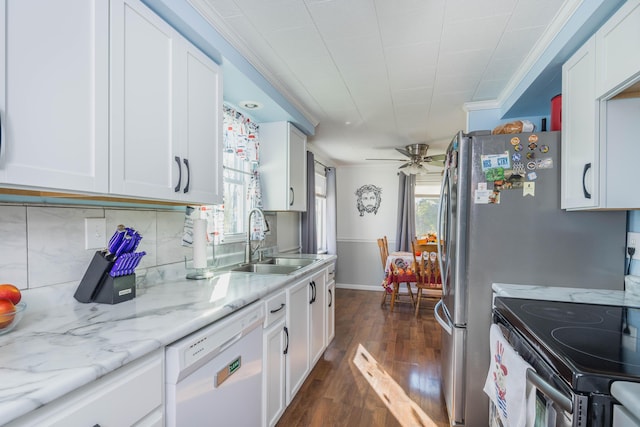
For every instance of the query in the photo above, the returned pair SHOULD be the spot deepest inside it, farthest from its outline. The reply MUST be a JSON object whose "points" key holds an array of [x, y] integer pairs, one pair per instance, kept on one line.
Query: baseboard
{"points": [[426, 293], [373, 288]]}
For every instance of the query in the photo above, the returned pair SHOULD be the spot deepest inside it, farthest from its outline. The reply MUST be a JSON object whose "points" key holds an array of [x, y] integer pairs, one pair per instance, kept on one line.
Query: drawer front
{"points": [[275, 308], [123, 397]]}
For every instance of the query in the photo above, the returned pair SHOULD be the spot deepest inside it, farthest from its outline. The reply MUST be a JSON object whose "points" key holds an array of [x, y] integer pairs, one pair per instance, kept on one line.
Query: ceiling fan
{"points": [[417, 154]]}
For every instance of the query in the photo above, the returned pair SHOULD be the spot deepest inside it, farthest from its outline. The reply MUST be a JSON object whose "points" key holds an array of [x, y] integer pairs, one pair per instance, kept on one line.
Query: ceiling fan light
{"points": [[414, 169]]}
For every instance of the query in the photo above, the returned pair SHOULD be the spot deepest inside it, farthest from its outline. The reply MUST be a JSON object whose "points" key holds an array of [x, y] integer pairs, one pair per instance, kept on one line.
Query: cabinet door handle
{"points": [[275, 310], [587, 195], [186, 163], [330, 297], [286, 334], [311, 286], [177, 189], [314, 290], [293, 196]]}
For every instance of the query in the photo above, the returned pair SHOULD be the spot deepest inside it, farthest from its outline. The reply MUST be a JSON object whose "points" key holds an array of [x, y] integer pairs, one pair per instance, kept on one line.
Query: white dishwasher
{"points": [[214, 376]]}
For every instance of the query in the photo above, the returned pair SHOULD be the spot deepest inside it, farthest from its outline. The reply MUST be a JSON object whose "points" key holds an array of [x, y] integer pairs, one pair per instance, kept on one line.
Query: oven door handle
{"points": [[550, 391]]}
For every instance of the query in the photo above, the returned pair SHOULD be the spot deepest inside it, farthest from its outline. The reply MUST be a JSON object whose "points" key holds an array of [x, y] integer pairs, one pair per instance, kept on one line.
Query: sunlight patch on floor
{"points": [[406, 411]]}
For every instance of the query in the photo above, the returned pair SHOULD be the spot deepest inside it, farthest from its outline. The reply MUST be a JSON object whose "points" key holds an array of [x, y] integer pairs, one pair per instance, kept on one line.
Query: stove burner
{"points": [[544, 311], [599, 343]]}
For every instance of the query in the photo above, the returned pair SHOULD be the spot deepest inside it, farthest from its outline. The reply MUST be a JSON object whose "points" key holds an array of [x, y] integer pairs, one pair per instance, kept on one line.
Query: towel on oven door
{"points": [[507, 385]]}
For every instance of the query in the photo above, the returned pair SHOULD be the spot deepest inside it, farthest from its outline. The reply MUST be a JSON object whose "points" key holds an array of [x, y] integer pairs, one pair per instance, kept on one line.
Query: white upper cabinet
{"points": [[580, 143], [144, 133], [617, 44], [54, 94], [202, 132], [166, 111], [283, 167], [600, 108]]}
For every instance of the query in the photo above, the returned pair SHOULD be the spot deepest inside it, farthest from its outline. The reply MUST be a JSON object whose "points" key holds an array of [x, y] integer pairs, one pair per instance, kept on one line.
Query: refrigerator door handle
{"points": [[445, 324], [445, 183]]}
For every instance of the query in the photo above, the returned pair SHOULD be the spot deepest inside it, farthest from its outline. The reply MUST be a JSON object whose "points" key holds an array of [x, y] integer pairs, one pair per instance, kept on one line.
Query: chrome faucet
{"points": [[247, 250]]}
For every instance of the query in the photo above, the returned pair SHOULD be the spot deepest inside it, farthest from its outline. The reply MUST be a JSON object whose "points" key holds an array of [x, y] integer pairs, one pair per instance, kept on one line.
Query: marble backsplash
{"points": [[44, 245]]}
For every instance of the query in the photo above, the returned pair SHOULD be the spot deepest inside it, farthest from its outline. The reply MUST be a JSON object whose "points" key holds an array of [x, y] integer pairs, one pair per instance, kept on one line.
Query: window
{"points": [[239, 156], [321, 211], [236, 177], [427, 198]]}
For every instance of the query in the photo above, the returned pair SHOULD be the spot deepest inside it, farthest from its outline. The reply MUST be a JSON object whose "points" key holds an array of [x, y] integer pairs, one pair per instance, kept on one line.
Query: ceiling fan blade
{"points": [[397, 160], [405, 165], [403, 151], [435, 164], [437, 157]]}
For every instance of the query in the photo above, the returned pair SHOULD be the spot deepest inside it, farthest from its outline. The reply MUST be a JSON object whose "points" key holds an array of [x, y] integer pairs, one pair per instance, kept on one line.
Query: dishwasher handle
{"points": [[231, 341]]}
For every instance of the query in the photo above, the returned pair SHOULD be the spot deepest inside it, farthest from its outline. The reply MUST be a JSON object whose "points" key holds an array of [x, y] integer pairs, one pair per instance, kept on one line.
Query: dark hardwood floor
{"points": [[407, 348]]}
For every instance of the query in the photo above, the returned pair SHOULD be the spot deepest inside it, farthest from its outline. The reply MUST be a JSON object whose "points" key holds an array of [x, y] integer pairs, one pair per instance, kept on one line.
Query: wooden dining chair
{"points": [[394, 277], [384, 254], [427, 272]]}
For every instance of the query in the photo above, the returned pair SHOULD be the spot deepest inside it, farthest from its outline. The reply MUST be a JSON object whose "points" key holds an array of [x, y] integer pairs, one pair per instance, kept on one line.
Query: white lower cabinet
{"points": [[275, 342], [331, 310], [317, 315], [306, 327], [129, 396], [298, 309], [299, 324]]}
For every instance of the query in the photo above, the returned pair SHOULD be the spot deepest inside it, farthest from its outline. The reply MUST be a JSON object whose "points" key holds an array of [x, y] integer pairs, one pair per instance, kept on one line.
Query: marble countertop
{"points": [[583, 295], [61, 344]]}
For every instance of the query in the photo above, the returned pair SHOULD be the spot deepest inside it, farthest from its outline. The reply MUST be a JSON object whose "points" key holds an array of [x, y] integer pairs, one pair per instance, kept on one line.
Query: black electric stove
{"points": [[588, 345]]}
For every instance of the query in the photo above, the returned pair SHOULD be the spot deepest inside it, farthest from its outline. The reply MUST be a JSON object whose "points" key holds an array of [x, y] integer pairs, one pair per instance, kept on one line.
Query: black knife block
{"points": [[116, 289], [98, 286]]}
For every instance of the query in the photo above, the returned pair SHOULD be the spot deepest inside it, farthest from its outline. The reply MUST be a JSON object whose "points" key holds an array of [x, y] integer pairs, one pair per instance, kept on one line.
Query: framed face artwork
{"points": [[368, 199]]}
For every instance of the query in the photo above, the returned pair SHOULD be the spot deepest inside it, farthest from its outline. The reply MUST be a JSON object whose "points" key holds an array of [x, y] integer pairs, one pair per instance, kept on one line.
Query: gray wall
{"points": [[358, 264]]}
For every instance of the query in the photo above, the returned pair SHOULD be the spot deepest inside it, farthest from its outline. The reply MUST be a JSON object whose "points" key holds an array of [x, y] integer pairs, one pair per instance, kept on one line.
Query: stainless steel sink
{"points": [[267, 268], [300, 262]]}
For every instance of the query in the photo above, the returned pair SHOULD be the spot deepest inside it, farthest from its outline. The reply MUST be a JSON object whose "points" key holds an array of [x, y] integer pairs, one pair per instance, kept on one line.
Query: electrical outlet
{"points": [[633, 241], [95, 233]]}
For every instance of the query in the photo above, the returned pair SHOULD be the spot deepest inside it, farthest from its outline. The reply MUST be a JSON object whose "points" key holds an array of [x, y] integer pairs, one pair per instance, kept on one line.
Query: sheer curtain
{"points": [[406, 229], [332, 211], [309, 236]]}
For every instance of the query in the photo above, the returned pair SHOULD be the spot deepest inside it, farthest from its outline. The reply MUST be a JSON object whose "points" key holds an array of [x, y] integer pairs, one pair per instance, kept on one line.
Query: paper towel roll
{"points": [[200, 243]]}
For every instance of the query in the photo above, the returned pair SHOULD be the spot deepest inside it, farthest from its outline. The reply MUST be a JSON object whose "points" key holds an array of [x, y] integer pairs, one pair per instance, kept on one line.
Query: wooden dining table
{"points": [[399, 269]]}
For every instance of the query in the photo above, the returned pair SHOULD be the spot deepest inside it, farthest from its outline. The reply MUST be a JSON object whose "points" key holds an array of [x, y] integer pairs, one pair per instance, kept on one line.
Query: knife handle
{"points": [[121, 249], [116, 239]]}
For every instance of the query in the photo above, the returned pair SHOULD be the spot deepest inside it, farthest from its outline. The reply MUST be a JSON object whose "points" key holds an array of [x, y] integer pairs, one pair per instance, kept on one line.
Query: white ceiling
{"points": [[379, 74]]}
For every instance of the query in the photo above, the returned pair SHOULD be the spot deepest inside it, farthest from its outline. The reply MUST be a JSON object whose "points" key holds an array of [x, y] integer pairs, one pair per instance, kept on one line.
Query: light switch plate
{"points": [[95, 233], [633, 241]]}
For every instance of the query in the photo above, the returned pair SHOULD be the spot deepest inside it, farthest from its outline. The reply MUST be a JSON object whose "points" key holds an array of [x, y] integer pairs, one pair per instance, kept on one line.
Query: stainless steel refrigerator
{"points": [[500, 222]]}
